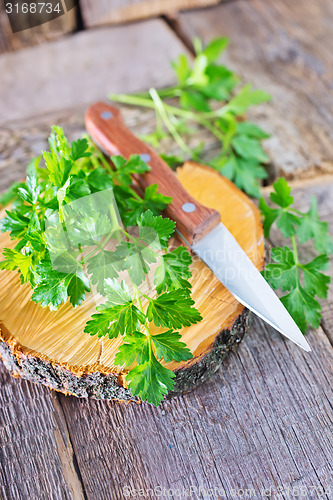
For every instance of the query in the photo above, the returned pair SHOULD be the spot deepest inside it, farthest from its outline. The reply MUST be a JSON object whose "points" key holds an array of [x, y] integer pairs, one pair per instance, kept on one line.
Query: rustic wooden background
{"points": [[263, 423]]}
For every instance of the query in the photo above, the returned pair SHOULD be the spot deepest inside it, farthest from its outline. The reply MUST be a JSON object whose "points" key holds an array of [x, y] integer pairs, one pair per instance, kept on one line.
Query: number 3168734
{"points": [[33, 8]]}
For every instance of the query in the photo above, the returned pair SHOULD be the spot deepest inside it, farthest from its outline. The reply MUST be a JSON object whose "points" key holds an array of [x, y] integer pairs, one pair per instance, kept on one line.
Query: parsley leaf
{"points": [[152, 200], [286, 220], [80, 149], [246, 98], [16, 221], [164, 227], [77, 286], [119, 315], [150, 381], [173, 272], [114, 321], [283, 272], [303, 308], [51, 290], [169, 347], [173, 309], [311, 227], [17, 260], [134, 348], [125, 169], [102, 267]]}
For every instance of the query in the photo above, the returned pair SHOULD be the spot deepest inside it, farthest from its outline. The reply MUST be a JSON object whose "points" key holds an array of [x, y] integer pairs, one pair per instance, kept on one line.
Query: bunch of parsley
{"points": [[206, 96], [74, 171], [304, 281]]}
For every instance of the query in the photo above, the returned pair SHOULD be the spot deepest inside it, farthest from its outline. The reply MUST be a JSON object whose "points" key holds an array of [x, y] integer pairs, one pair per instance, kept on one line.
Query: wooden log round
{"points": [[50, 347]]}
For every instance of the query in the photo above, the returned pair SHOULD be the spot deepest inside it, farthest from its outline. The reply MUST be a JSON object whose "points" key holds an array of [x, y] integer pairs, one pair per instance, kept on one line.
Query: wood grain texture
{"points": [[51, 30], [85, 67], [36, 455], [263, 421], [120, 11], [285, 48]]}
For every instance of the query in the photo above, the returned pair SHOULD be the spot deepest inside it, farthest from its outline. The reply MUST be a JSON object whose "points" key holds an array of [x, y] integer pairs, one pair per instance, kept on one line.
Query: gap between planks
{"points": [[70, 468]]}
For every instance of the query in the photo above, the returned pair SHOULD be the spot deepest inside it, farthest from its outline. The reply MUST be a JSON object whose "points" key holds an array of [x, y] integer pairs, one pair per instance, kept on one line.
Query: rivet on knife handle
{"points": [[104, 124]]}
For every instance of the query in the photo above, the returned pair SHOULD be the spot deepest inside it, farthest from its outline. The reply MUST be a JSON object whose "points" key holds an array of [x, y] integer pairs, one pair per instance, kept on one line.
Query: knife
{"points": [[199, 226]]}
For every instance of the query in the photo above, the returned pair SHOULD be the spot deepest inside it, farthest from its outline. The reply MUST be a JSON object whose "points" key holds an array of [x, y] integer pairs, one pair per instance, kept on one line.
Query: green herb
{"points": [[304, 281], [62, 252], [205, 96]]}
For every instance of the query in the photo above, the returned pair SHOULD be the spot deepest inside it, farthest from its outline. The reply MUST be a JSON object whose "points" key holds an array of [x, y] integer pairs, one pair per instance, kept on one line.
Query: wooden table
{"points": [[260, 426]]}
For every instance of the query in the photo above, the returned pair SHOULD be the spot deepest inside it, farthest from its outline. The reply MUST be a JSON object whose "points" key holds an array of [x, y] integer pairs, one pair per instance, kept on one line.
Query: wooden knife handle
{"points": [[105, 126]]}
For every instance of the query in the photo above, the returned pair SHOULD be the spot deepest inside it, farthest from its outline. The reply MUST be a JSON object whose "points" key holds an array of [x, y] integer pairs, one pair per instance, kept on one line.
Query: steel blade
{"points": [[230, 264]]}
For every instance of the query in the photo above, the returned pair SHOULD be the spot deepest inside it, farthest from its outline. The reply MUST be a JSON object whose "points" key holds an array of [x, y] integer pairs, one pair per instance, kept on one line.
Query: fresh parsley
{"points": [[67, 247], [304, 282], [206, 96]]}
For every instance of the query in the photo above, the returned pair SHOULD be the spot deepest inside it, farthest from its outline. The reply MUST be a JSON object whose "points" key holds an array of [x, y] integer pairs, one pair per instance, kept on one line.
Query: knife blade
{"points": [[199, 226]]}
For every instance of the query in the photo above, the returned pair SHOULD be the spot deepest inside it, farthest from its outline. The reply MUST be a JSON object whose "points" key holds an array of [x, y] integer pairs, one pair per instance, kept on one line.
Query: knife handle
{"points": [[105, 126]]}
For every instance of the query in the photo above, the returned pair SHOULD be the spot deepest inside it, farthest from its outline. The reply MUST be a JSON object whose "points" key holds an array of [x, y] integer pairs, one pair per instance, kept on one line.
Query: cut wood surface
{"points": [[51, 348], [286, 49], [48, 31], [119, 11]]}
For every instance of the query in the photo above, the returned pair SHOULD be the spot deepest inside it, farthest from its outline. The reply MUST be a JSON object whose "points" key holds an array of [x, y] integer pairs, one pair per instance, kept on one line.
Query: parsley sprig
{"points": [[92, 250], [206, 96], [304, 281]]}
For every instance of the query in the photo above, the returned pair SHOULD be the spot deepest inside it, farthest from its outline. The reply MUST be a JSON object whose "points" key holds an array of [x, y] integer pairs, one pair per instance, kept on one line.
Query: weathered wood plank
{"points": [[20, 141], [36, 455], [85, 67], [119, 11], [285, 48], [262, 422], [50, 30]]}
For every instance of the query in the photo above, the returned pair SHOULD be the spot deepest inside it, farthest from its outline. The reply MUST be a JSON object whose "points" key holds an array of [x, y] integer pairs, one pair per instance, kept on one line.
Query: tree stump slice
{"points": [[50, 347]]}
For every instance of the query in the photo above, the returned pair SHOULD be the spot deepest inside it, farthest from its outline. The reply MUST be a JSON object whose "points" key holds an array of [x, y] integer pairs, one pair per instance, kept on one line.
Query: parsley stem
{"points": [[296, 211], [106, 164], [165, 93], [134, 100], [156, 103], [170, 126], [295, 251], [214, 130], [115, 222], [138, 298], [90, 253]]}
